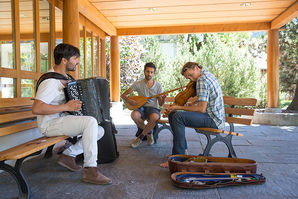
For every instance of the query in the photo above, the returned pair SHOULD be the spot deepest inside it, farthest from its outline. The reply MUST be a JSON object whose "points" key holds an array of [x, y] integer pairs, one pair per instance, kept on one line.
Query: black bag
{"points": [[107, 145]]}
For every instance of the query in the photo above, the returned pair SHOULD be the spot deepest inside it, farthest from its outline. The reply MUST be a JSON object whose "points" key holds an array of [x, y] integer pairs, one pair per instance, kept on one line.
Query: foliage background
{"points": [[231, 57]]}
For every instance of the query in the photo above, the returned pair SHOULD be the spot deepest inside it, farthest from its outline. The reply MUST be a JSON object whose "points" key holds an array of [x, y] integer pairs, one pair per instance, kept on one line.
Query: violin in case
{"points": [[199, 172]]}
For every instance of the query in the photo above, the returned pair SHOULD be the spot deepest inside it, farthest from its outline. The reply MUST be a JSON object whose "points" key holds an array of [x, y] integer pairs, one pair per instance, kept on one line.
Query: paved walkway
{"points": [[136, 174]]}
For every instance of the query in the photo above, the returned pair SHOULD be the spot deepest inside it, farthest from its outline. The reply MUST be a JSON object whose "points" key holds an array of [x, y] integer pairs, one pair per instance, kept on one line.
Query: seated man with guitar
{"points": [[150, 110], [205, 109], [51, 109]]}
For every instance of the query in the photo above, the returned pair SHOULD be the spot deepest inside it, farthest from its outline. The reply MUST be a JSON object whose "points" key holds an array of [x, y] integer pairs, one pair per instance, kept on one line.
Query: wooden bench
{"points": [[15, 117], [234, 108]]}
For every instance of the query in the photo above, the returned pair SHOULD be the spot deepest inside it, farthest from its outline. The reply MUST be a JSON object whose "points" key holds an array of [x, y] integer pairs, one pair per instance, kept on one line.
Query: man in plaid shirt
{"points": [[206, 109]]}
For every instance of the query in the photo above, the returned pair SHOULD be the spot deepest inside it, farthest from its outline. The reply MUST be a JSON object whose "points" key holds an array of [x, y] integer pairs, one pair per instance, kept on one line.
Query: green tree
{"points": [[131, 64], [288, 40]]}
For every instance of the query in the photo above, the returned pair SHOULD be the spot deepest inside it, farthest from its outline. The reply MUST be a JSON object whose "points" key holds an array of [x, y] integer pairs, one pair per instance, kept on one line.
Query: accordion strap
{"points": [[52, 75]]}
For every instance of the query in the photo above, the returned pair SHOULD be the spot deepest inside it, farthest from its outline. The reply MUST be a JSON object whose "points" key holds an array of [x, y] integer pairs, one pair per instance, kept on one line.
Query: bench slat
{"points": [[16, 116], [13, 109], [219, 131], [17, 128], [239, 120], [239, 101], [239, 111], [30, 147], [9, 102]]}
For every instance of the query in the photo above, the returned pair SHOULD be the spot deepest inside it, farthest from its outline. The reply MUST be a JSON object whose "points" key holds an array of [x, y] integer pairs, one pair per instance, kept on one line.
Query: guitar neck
{"points": [[160, 94]]}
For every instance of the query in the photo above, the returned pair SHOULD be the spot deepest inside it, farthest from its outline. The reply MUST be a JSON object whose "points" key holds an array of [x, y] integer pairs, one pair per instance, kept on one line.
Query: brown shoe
{"points": [[93, 175], [68, 162]]}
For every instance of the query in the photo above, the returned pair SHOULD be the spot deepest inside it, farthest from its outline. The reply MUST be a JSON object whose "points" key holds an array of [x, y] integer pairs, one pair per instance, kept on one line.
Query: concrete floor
{"points": [[136, 173]]}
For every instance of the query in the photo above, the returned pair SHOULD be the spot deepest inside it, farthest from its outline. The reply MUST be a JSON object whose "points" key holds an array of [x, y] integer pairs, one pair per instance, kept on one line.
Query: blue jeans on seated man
{"points": [[181, 119]]}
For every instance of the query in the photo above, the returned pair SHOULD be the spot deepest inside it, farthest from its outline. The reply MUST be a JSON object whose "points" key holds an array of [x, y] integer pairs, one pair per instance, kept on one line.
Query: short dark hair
{"points": [[189, 65], [65, 51], [151, 65]]}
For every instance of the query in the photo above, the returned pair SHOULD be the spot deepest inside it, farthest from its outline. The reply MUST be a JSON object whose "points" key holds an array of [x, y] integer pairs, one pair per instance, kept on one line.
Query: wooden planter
{"points": [[179, 163]]}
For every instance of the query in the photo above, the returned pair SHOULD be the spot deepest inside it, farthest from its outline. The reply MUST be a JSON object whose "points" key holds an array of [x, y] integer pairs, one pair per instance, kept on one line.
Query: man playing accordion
{"points": [[51, 108]]}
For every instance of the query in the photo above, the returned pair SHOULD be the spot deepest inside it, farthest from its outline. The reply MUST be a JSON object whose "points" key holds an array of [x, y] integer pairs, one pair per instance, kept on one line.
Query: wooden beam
{"points": [[44, 37], [289, 14], [91, 12], [92, 27], [8, 72], [194, 29], [273, 69], [115, 70]]}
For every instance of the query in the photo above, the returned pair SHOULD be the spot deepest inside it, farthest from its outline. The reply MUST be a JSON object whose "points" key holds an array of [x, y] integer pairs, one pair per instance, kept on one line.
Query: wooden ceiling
{"points": [[164, 13], [126, 17]]}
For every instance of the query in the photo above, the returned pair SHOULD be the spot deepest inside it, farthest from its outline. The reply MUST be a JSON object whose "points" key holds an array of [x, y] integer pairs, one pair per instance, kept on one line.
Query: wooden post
{"points": [[273, 69], [115, 70], [71, 28], [92, 55], [17, 43], [37, 35], [103, 61], [52, 42], [98, 69], [85, 50]]}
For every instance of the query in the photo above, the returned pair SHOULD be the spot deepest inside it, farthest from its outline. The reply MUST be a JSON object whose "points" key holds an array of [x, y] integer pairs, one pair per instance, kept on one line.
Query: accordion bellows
{"points": [[94, 93]]}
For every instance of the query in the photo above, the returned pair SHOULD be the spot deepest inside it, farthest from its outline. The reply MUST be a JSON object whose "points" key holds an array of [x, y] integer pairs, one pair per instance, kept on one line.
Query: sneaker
{"points": [[136, 142], [68, 162], [150, 139], [94, 176]]}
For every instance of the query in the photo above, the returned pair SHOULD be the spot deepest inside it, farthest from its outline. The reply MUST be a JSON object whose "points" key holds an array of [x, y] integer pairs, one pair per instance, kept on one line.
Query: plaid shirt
{"points": [[208, 90]]}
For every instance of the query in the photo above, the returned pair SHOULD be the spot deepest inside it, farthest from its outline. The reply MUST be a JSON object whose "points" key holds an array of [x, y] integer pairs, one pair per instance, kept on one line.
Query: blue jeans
{"points": [[181, 119]]}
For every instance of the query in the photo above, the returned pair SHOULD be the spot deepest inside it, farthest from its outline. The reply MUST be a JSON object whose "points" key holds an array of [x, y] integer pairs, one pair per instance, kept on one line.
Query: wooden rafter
{"points": [[285, 17], [195, 29]]}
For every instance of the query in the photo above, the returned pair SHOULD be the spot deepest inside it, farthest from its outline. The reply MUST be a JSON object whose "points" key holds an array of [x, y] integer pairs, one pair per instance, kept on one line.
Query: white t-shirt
{"points": [[50, 91]]}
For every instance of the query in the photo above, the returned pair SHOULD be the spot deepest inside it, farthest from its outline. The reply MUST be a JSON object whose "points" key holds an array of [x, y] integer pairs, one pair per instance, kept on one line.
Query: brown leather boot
{"points": [[94, 176], [68, 162]]}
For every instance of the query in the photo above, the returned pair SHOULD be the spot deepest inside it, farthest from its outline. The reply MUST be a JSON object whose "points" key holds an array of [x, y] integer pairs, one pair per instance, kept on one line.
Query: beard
{"points": [[148, 77], [70, 67]]}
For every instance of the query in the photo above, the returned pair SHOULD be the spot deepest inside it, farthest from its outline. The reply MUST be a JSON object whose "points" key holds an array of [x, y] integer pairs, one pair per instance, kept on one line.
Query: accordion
{"points": [[95, 96]]}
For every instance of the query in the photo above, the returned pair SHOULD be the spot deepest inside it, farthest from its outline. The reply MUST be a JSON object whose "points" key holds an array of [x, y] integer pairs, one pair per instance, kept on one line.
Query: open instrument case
{"points": [[199, 172]]}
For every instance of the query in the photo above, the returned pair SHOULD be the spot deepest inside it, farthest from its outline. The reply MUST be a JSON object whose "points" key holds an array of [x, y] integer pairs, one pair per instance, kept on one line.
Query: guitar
{"points": [[141, 100]]}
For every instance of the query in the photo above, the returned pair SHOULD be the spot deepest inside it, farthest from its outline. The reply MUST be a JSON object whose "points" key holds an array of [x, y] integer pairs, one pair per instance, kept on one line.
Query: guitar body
{"points": [[140, 101]]}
